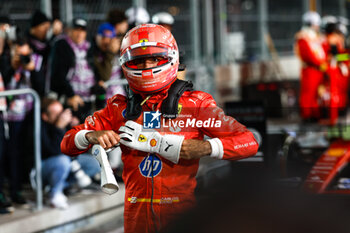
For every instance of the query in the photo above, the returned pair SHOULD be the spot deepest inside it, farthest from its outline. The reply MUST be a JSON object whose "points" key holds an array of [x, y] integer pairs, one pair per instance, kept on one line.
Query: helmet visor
{"points": [[137, 55]]}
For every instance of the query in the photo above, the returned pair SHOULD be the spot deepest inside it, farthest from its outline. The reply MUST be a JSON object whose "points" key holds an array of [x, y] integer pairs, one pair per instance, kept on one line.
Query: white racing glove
{"points": [[168, 146]]}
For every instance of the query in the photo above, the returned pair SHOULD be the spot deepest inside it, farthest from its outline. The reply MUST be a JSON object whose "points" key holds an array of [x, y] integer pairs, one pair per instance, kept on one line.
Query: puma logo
{"points": [[193, 101], [167, 148]]}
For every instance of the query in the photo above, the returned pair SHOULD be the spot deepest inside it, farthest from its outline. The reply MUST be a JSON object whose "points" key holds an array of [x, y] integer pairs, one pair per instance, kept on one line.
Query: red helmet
{"points": [[145, 41]]}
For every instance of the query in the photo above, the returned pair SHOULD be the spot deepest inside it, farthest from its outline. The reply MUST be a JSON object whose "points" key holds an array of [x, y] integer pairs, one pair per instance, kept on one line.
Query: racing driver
{"points": [[160, 127]]}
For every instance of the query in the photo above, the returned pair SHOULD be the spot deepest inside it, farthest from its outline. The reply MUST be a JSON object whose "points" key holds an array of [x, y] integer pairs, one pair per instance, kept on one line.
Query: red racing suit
{"points": [[309, 49], [338, 75], [173, 184]]}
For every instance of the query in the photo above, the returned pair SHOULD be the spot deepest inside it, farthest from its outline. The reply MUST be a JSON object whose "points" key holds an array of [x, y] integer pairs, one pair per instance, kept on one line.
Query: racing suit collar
{"points": [[155, 100]]}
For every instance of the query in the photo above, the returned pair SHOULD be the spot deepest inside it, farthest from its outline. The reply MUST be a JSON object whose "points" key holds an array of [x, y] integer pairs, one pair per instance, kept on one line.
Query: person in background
{"points": [[308, 47], [4, 29], [137, 16], [163, 18], [106, 64], [8, 34], [5, 63], [55, 165], [58, 171], [105, 51], [38, 39], [336, 82], [167, 20], [72, 75], [18, 76], [118, 19]]}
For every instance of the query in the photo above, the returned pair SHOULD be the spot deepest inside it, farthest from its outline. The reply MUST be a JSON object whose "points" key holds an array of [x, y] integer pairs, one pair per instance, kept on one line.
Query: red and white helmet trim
{"points": [[171, 53], [149, 77]]}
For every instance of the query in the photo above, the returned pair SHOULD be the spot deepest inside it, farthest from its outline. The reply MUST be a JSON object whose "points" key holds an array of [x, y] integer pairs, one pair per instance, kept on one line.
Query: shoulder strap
{"points": [[133, 105], [169, 105]]}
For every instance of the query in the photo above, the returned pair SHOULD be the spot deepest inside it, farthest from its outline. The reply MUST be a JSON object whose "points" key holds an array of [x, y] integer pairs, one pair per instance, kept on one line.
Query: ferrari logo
{"points": [[142, 41], [142, 138], [179, 108]]}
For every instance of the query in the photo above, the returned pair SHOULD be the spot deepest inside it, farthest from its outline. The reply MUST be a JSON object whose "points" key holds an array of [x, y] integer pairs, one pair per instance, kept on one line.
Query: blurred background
{"points": [[240, 51], [212, 34], [244, 38]]}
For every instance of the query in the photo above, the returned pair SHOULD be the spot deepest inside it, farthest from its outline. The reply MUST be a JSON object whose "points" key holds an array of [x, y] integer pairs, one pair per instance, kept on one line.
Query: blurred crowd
{"points": [[74, 74], [323, 49]]}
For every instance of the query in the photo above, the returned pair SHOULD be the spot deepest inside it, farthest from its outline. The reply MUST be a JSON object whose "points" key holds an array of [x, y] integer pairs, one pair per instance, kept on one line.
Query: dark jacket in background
{"points": [[103, 62], [62, 60], [5, 62], [51, 138], [39, 76]]}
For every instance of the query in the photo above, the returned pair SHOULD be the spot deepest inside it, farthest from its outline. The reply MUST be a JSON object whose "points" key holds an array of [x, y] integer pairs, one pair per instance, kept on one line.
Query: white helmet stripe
{"points": [[143, 44]]}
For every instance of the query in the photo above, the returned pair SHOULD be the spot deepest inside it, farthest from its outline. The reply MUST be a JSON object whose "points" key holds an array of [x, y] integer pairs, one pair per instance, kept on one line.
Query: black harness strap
{"points": [[133, 107], [170, 104]]}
